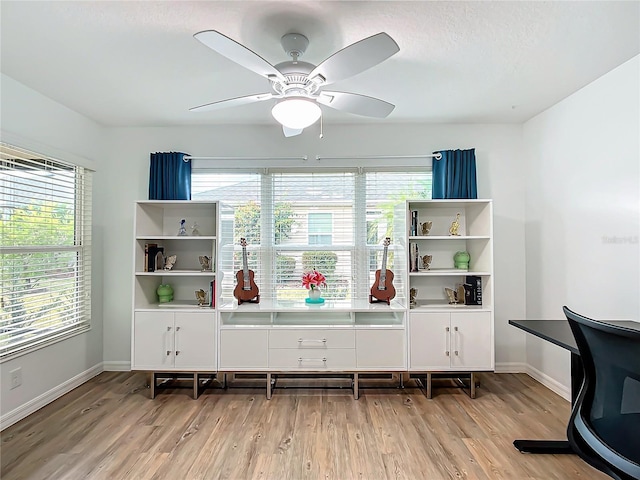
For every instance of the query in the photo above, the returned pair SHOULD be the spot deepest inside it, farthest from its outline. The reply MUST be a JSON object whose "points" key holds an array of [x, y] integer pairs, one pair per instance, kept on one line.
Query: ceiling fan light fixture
{"points": [[296, 112]]}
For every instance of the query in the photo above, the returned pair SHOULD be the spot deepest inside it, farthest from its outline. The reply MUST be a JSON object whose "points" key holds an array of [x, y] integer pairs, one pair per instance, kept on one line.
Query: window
{"points": [[45, 250], [295, 221], [319, 228]]}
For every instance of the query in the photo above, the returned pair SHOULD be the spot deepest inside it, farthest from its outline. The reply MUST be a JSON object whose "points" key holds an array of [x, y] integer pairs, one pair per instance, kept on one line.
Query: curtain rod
{"points": [[437, 156], [186, 158]]}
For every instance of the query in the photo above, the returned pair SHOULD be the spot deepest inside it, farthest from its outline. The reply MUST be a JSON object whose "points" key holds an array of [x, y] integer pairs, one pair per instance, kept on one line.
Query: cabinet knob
{"points": [[168, 352], [178, 329], [177, 352], [447, 329], [447, 353], [168, 329], [456, 352], [455, 329]]}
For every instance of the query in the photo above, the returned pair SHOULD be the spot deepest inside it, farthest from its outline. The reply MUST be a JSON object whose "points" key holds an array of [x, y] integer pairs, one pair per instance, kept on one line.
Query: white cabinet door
{"points": [[429, 341], [195, 341], [153, 337], [471, 341], [380, 349], [244, 349]]}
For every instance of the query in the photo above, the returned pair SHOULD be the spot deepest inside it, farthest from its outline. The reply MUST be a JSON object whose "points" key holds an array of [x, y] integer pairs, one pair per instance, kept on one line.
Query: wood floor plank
{"points": [[108, 428]]}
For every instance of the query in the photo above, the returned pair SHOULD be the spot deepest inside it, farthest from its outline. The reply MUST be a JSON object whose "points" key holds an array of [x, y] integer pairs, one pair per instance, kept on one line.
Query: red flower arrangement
{"points": [[313, 279]]}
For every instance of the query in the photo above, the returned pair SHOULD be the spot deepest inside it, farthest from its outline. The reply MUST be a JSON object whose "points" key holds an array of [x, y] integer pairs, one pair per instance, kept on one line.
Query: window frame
{"points": [[70, 288]]}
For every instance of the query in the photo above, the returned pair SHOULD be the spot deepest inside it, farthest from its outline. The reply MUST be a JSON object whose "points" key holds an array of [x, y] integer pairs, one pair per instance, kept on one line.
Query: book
{"points": [[414, 223], [147, 246], [414, 256], [473, 290], [212, 294], [153, 258]]}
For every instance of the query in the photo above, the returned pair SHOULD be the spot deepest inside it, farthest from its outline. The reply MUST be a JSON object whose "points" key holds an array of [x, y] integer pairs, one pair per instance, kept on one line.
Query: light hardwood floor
{"points": [[108, 428]]}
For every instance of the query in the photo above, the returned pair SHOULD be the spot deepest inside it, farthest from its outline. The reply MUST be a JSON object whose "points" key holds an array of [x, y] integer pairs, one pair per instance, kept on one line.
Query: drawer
{"points": [[316, 359], [316, 338], [244, 349]]}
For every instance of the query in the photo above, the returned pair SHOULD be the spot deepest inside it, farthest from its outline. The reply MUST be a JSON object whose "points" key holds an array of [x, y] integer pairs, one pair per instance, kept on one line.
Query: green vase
{"points": [[165, 293], [461, 260]]}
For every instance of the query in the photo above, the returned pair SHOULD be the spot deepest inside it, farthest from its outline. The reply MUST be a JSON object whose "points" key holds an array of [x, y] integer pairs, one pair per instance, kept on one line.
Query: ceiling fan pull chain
{"points": [[321, 134]]}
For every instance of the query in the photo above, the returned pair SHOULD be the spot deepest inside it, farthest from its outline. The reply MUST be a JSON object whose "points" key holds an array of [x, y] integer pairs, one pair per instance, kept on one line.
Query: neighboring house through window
{"points": [[319, 228]]}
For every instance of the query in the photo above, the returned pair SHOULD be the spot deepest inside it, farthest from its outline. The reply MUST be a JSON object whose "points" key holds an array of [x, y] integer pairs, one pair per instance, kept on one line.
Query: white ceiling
{"points": [[136, 63]]}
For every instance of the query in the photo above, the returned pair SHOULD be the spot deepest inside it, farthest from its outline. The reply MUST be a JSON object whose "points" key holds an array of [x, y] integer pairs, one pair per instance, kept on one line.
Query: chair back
{"points": [[605, 421]]}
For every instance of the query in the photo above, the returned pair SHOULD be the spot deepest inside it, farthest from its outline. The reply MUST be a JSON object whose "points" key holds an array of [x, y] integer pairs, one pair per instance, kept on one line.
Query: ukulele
{"points": [[246, 289], [383, 289]]}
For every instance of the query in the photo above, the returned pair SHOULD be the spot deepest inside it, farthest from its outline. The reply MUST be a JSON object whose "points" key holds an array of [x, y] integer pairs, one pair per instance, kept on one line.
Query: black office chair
{"points": [[604, 428]]}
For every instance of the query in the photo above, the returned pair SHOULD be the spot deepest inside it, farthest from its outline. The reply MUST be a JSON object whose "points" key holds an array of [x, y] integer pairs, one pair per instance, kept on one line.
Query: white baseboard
{"points": [[552, 384], [37, 403], [116, 366], [511, 367]]}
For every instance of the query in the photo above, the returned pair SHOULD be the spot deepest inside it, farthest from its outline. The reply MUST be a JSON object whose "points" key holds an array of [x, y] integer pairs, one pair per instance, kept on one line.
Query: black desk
{"points": [[559, 333]]}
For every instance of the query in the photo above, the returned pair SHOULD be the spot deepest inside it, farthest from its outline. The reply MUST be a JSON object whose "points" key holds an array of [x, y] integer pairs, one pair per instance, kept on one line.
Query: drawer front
{"points": [[317, 359], [312, 338], [243, 349]]}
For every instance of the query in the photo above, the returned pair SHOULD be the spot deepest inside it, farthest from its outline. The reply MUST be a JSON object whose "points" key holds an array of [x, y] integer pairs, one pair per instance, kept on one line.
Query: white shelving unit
{"points": [[179, 336], [338, 337], [445, 337]]}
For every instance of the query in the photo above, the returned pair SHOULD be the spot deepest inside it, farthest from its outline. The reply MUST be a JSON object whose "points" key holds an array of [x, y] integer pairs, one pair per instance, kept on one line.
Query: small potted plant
{"points": [[312, 281]]}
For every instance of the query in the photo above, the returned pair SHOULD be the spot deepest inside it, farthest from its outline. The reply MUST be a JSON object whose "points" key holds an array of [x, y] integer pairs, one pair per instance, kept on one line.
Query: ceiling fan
{"points": [[298, 86]]}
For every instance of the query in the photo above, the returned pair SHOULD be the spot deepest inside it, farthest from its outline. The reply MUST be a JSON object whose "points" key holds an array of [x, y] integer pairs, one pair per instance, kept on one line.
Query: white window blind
{"points": [[299, 220], [45, 250]]}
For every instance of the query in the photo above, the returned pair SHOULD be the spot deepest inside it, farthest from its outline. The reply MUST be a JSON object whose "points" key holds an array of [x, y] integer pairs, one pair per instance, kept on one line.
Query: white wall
{"points": [[583, 211], [32, 121], [500, 176]]}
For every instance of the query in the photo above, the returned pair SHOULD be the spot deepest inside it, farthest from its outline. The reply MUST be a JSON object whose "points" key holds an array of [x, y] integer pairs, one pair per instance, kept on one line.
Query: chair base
{"points": [[552, 447]]}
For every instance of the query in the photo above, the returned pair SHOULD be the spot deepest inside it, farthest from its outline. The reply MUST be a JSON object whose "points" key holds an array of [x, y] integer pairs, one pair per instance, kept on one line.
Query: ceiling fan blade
{"points": [[231, 102], [356, 58], [238, 53], [354, 103], [291, 132]]}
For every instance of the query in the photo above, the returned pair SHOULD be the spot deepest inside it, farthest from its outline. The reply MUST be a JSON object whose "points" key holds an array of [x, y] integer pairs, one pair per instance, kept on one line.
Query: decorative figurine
{"points": [[201, 296], [455, 296], [461, 260], [426, 227], [194, 229], [165, 293], [455, 225], [170, 262], [182, 231], [205, 263], [426, 261], [413, 293]]}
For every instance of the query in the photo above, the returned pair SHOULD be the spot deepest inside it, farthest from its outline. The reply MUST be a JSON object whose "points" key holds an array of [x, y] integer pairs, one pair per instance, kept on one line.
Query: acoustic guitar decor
{"points": [[383, 289], [246, 289]]}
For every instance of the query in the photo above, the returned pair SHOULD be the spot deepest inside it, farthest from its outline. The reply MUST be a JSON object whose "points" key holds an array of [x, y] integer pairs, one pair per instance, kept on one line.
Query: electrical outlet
{"points": [[16, 377]]}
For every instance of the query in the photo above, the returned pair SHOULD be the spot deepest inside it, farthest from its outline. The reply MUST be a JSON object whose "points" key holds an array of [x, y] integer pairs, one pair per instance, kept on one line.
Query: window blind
{"points": [[295, 221], [45, 250]]}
